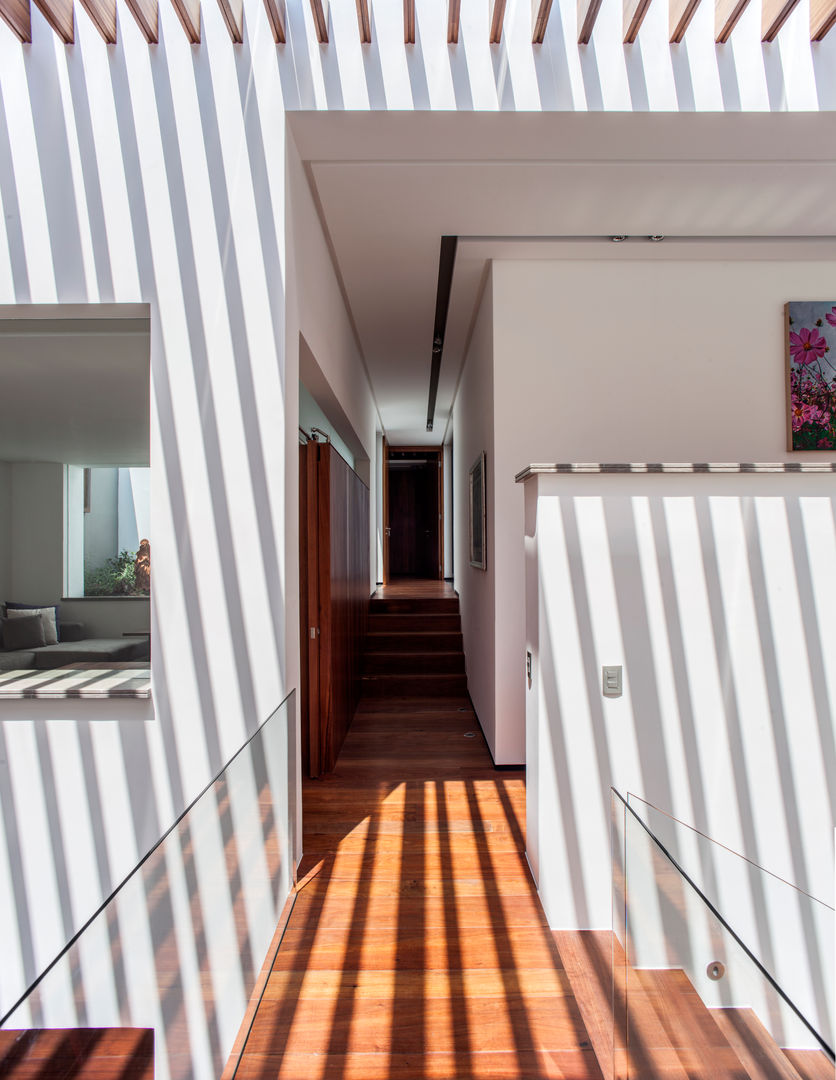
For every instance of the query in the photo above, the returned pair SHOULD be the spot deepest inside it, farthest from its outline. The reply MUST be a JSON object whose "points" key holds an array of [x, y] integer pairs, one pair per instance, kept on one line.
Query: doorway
{"points": [[414, 479]]}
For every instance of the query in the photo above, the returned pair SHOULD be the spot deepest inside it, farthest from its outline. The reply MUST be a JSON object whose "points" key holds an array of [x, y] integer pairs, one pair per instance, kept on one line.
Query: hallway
{"points": [[417, 946]]}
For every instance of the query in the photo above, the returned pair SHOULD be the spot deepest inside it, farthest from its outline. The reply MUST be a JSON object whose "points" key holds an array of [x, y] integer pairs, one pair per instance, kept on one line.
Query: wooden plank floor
{"points": [[417, 947]]}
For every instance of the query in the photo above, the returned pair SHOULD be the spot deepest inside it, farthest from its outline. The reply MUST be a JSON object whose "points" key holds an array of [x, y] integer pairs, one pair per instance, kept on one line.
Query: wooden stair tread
{"points": [[759, 1054], [687, 1020], [118, 1053], [590, 958], [811, 1064]]}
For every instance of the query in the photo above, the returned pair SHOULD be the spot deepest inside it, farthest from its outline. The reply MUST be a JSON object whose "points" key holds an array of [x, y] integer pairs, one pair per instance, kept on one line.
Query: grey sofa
{"points": [[76, 650]]}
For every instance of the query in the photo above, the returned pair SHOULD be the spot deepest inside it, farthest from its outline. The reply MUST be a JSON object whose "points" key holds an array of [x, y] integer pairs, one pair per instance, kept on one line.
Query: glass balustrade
{"points": [[697, 926], [179, 945]]}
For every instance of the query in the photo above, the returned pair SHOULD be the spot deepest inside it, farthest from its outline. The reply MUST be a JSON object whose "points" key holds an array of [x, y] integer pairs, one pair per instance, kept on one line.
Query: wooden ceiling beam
{"points": [[774, 14], [147, 15], [680, 13], [59, 15], [634, 13], [364, 21], [275, 16], [822, 18], [453, 10], [319, 9], [103, 16], [17, 15], [587, 14], [726, 16], [188, 12], [233, 13], [540, 11], [497, 21], [409, 22]]}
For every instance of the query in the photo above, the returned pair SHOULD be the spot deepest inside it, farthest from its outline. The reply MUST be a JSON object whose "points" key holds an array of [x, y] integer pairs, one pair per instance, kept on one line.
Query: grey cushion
{"points": [[24, 631], [90, 650], [50, 617], [47, 616], [71, 631]]}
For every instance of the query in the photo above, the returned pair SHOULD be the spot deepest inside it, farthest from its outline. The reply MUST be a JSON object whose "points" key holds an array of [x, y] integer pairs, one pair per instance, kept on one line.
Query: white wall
{"points": [[712, 592], [625, 359], [5, 527], [716, 594], [35, 568], [322, 347], [448, 509], [156, 177], [37, 533], [473, 433], [311, 415]]}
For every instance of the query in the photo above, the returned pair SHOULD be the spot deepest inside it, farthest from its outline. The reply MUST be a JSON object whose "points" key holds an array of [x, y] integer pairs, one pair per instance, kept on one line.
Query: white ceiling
{"points": [[76, 391], [545, 185]]}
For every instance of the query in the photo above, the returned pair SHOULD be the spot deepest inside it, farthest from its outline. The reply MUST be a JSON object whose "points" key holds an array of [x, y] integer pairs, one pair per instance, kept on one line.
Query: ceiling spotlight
{"points": [[656, 237], [618, 239], [429, 425], [437, 343]]}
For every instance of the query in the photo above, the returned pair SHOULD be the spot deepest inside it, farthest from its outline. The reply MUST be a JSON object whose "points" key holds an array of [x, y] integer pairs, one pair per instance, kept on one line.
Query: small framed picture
{"points": [[478, 530]]}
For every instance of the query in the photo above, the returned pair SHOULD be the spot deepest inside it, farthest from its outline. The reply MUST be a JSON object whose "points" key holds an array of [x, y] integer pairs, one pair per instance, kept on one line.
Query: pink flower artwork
{"points": [[806, 346], [811, 352]]}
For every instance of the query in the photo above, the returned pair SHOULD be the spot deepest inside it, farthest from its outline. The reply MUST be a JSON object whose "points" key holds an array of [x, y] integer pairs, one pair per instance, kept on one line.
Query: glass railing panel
{"points": [[618, 840], [672, 930], [178, 947], [791, 933]]}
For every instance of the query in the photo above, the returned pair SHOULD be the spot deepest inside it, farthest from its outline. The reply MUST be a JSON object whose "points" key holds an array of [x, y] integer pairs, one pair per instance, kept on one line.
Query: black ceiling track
{"points": [[446, 264]]}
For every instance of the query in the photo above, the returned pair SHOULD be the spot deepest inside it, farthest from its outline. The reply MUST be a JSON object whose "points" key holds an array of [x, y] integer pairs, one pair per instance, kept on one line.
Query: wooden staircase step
{"points": [[689, 1024], [447, 685], [759, 1054], [414, 623], [413, 663], [414, 605], [589, 958], [811, 1064], [403, 641], [96, 1053]]}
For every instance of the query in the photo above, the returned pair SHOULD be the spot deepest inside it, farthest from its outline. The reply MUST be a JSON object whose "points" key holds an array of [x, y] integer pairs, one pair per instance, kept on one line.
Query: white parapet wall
{"points": [[715, 594]]}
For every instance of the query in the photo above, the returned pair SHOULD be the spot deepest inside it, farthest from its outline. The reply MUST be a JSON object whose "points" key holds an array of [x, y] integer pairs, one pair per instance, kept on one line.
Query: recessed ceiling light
{"points": [[656, 237], [617, 239]]}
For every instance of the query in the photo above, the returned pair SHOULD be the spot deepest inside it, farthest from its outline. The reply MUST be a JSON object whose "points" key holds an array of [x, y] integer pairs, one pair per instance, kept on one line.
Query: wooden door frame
{"points": [[438, 453], [386, 529]]}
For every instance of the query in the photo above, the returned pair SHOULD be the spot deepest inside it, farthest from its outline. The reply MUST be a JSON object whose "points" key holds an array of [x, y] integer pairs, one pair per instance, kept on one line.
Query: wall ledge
{"points": [[81, 681], [586, 468]]}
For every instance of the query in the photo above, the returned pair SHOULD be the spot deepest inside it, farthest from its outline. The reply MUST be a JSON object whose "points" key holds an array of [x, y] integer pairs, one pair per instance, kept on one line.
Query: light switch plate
{"points": [[611, 682]]}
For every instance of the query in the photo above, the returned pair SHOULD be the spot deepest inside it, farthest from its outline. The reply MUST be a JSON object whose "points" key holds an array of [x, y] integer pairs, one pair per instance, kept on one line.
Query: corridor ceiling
{"points": [[545, 185]]}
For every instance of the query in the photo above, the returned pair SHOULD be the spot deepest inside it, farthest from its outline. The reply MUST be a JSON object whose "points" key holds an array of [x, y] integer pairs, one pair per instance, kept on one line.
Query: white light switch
{"points": [[612, 681]]}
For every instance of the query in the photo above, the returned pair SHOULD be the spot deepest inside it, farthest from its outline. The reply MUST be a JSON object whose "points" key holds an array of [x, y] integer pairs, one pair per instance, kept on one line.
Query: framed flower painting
{"points": [[811, 366]]}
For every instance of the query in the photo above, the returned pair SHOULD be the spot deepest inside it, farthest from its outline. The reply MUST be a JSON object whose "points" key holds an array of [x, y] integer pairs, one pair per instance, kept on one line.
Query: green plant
{"points": [[116, 577]]}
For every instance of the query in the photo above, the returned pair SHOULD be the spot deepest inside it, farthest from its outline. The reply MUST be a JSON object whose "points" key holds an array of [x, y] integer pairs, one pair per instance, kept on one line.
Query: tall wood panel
{"points": [[334, 598]]}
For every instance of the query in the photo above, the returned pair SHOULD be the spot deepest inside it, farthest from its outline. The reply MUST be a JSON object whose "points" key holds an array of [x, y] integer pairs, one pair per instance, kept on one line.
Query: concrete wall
{"points": [[473, 427]]}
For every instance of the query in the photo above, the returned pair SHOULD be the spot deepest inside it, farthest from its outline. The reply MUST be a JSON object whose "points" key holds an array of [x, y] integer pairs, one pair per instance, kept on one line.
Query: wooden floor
{"points": [[417, 946]]}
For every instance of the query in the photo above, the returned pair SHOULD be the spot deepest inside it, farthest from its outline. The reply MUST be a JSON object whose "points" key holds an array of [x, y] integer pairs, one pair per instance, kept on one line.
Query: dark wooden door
{"points": [[333, 600], [414, 513]]}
